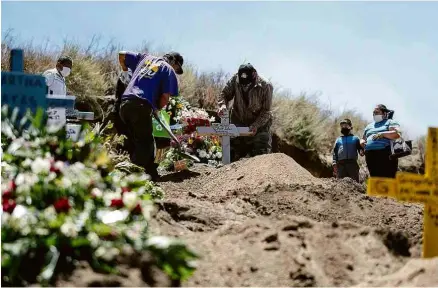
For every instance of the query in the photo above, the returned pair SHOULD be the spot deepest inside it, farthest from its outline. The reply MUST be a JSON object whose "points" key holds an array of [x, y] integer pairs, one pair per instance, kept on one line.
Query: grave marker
{"points": [[22, 90], [414, 188], [225, 130]]}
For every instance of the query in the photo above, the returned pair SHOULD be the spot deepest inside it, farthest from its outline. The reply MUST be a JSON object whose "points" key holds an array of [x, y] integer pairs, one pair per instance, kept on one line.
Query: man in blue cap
{"points": [[153, 82]]}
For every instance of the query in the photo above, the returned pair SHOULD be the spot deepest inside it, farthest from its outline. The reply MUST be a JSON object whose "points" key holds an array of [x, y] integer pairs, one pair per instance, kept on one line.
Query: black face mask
{"points": [[345, 131]]}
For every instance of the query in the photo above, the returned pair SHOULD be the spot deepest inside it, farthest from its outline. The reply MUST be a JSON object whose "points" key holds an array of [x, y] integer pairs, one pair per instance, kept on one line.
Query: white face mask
{"points": [[378, 118], [65, 71]]}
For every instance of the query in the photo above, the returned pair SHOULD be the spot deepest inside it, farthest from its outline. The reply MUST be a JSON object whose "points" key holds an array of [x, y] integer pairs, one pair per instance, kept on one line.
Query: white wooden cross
{"points": [[225, 130]]}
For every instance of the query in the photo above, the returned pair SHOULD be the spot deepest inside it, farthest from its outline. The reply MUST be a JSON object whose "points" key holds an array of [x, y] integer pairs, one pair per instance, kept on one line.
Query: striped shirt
{"points": [[256, 111]]}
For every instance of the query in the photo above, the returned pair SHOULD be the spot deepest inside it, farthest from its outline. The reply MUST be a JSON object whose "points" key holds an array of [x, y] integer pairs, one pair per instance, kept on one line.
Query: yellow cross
{"points": [[408, 187]]}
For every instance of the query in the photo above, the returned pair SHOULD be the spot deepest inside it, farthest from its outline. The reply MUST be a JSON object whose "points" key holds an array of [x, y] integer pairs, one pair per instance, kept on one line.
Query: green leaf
{"points": [[80, 242], [101, 229], [52, 240]]}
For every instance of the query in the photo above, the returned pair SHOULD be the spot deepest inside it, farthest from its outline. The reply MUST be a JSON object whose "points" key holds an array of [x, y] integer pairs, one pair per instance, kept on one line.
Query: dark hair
{"points": [[65, 60], [383, 108]]}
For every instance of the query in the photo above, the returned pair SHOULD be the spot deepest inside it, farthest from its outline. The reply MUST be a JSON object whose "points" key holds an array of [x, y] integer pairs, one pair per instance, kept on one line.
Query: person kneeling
{"points": [[252, 97]]}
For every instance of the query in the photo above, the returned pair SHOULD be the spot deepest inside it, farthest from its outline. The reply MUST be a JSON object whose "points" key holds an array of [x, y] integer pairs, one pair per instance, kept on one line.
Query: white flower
{"points": [[219, 155], [40, 165], [173, 102], [202, 153], [161, 242], [26, 179], [112, 216], [66, 183], [130, 200], [42, 231], [50, 213], [69, 229], [59, 165], [107, 254], [97, 192], [20, 211], [208, 156], [51, 177], [147, 209], [93, 238], [26, 163], [107, 197]]}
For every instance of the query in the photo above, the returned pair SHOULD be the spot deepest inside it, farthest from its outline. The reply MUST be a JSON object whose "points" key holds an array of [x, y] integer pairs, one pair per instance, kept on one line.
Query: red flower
{"points": [[125, 189], [137, 209], [62, 205], [9, 205], [117, 203], [7, 195]]}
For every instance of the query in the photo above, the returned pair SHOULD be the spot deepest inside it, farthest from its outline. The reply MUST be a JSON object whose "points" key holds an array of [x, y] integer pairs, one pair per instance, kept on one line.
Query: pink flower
{"points": [[62, 205]]}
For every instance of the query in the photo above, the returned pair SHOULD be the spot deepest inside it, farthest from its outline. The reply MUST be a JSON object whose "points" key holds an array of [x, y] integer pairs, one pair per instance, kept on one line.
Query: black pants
{"points": [[348, 168], [137, 116], [379, 164], [128, 145], [260, 143]]}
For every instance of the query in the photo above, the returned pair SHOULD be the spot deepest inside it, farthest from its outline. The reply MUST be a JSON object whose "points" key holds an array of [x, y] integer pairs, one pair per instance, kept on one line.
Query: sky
{"points": [[353, 54]]}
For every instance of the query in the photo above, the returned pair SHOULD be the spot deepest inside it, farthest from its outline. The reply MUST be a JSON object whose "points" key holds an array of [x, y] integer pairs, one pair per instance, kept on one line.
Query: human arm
{"points": [[169, 86], [265, 112], [393, 132], [227, 94], [335, 153], [129, 60], [359, 147]]}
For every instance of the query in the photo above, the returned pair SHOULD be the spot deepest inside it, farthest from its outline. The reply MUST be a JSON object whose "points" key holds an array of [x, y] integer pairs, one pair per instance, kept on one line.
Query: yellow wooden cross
{"points": [[409, 187]]}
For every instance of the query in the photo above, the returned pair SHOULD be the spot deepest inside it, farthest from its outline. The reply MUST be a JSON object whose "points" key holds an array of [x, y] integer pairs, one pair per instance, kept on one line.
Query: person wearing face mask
{"points": [[376, 139], [251, 108], [152, 83], [55, 78], [345, 153]]}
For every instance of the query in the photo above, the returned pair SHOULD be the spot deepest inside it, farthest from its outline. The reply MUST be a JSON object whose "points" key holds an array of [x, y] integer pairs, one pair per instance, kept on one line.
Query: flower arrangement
{"points": [[61, 205], [175, 107]]}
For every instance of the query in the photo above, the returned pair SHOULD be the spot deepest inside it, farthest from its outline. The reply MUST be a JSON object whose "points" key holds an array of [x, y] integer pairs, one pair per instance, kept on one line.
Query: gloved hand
{"points": [[252, 130]]}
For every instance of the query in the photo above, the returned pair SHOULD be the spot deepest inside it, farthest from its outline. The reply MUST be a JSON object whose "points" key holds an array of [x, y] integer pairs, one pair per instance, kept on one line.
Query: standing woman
{"points": [[377, 143]]}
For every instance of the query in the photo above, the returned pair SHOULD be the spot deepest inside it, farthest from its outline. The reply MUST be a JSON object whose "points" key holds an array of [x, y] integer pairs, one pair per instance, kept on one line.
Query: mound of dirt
{"points": [[416, 273], [227, 214], [291, 251], [266, 221], [250, 173]]}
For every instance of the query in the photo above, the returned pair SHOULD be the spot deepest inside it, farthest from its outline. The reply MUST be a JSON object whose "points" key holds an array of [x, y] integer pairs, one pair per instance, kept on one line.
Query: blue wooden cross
{"points": [[21, 90]]}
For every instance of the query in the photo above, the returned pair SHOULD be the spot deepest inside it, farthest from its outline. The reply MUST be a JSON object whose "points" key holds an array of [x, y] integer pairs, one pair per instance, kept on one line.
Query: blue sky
{"points": [[356, 54]]}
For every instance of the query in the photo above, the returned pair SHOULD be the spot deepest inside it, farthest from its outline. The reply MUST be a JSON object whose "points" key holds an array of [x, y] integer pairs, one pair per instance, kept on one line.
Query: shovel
{"points": [[179, 148]]}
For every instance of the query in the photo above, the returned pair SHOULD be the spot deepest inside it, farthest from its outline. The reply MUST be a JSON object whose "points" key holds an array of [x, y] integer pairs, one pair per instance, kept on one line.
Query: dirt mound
{"points": [[266, 221], [236, 215], [291, 251], [416, 273], [249, 173]]}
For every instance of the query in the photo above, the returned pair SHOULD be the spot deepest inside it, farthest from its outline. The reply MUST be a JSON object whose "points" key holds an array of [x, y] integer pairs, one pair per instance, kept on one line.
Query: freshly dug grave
{"points": [[227, 213], [266, 221]]}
